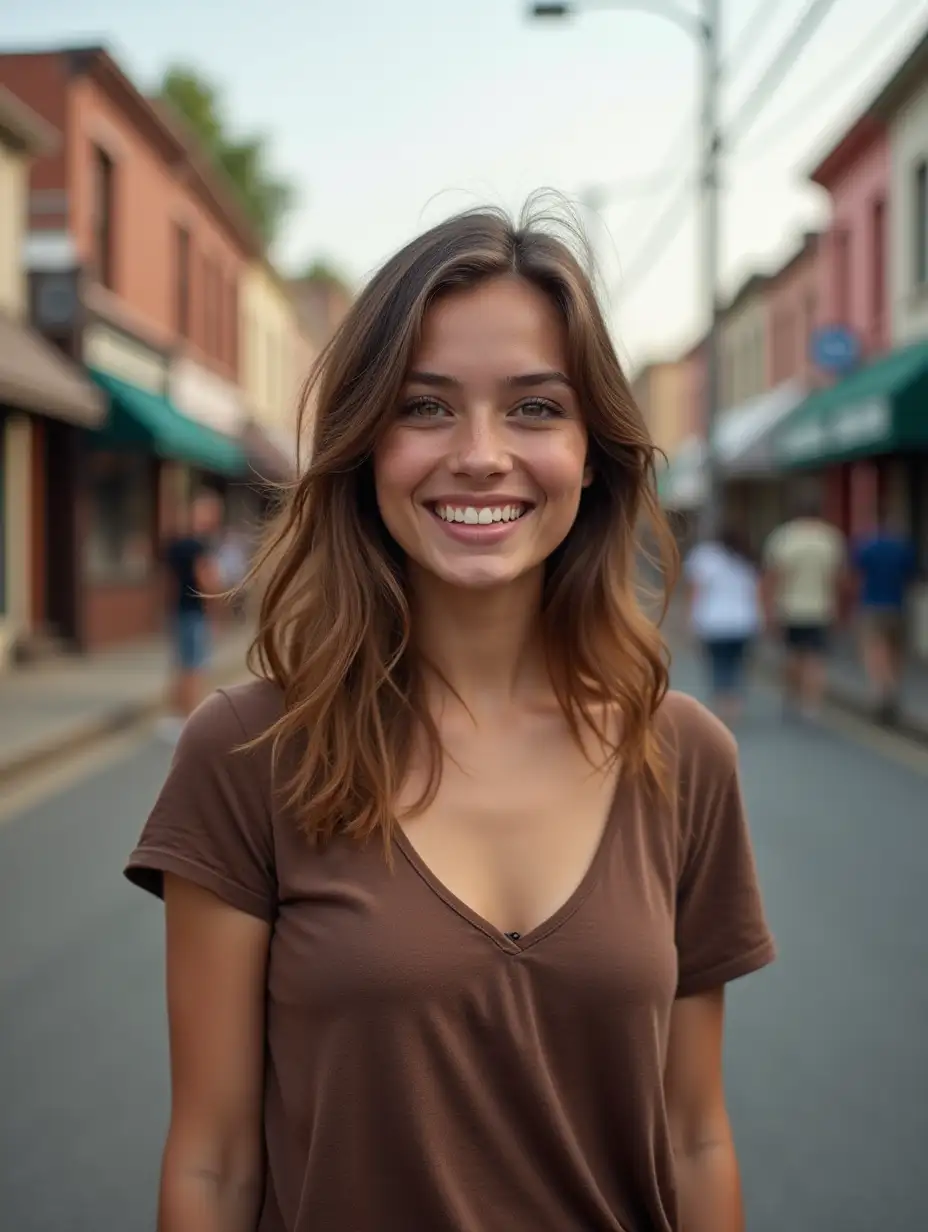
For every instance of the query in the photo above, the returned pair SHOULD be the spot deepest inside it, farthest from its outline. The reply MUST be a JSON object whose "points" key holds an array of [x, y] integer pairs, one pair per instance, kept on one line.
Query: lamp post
{"points": [[703, 27]]}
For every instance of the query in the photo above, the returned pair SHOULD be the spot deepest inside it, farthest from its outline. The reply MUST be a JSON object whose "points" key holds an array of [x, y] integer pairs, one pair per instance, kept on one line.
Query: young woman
{"points": [[724, 588], [453, 891]]}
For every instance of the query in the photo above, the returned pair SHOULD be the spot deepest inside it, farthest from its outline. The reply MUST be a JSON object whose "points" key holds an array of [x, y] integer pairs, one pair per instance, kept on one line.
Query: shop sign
{"points": [[834, 349], [854, 427], [206, 398], [123, 357]]}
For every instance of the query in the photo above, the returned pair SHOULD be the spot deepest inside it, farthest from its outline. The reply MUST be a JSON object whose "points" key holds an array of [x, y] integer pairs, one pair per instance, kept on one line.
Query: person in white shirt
{"points": [[723, 586], [805, 563]]}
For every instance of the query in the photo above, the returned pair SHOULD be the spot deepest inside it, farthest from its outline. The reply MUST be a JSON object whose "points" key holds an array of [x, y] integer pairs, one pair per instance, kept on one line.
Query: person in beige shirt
{"points": [[805, 562]]}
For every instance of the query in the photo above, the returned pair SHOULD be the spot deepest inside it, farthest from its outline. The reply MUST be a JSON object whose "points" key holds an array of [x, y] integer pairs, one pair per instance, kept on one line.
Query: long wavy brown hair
{"points": [[335, 627]]}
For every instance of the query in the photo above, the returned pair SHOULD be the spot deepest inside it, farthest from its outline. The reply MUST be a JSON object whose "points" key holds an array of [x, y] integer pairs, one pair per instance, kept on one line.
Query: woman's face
{"points": [[480, 474]]}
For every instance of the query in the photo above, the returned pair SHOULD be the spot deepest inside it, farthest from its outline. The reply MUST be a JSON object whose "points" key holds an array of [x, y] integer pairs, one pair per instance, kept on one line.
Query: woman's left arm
{"points": [[708, 1182]]}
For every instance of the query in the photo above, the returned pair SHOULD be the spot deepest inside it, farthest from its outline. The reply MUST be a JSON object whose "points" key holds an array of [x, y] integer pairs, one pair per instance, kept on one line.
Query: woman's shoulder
{"points": [[232, 716], [695, 734]]}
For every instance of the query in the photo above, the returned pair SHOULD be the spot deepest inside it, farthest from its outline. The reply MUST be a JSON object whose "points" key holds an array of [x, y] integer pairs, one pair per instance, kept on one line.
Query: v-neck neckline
{"points": [[513, 943]]}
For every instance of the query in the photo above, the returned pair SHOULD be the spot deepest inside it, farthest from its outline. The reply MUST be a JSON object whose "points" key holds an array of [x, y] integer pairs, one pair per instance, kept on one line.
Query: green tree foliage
{"points": [[265, 197]]}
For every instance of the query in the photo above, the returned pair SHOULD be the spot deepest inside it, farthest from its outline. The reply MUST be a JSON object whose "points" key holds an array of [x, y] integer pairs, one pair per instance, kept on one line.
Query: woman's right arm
{"points": [[212, 1175]]}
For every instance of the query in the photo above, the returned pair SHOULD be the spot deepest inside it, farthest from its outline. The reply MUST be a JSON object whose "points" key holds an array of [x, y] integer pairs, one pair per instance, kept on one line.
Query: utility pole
{"points": [[704, 28], [710, 144]]}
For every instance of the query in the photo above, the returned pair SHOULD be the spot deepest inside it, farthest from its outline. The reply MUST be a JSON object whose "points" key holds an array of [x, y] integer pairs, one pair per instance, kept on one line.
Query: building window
{"points": [[182, 280], [810, 308], [209, 317], [232, 323], [920, 223], [842, 276], [878, 271], [121, 509], [104, 209]]}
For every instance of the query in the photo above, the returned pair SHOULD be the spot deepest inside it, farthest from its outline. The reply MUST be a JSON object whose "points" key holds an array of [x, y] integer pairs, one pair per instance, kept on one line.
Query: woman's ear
{"points": [[587, 475]]}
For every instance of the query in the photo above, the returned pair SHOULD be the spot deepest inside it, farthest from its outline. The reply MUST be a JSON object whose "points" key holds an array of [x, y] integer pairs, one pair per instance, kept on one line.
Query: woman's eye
{"points": [[424, 408], [538, 408]]}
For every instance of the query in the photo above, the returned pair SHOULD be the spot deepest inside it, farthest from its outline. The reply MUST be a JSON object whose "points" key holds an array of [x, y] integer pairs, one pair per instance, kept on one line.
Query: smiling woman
{"points": [[505, 1014]]}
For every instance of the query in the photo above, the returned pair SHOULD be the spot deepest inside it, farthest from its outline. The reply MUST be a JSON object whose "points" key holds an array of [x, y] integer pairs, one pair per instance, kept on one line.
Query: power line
{"points": [[754, 28], [772, 77], [670, 220], [886, 23], [681, 147]]}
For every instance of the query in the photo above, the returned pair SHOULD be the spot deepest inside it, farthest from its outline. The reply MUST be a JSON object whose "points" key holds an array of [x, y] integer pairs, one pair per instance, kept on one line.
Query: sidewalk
{"points": [[57, 706]]}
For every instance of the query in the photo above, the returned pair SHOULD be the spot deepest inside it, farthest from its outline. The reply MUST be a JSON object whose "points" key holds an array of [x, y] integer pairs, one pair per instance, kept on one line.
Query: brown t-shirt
{"points": [[427, 1073]]}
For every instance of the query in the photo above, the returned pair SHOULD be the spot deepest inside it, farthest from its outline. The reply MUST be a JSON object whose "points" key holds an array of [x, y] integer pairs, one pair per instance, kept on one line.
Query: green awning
{"points": [[880, 409], [141, 419]]}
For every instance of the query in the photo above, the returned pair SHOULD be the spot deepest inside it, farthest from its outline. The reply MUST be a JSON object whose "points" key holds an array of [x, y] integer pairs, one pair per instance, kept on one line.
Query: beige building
{"points": [[276, 356], [743, 344], [662, 392], [36, 383]]}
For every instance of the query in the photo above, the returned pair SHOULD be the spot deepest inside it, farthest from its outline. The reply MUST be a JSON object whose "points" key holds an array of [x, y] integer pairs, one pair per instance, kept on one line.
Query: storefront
{"points": [[866, 438], [217, 406], [743, 445], [136, 478], [43, 399]]}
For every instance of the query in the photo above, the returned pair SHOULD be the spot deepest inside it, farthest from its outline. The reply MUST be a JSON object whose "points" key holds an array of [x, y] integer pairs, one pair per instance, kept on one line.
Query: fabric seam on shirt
{"points": [[140, 860]]}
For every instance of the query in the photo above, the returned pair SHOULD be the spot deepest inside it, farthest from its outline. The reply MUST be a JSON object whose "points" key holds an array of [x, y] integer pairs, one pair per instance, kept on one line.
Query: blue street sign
{"points": [[834, 348]]}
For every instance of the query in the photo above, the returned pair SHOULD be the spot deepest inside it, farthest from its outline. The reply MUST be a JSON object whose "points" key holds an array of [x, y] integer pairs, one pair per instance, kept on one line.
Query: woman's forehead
{"points": [[504, 325]]}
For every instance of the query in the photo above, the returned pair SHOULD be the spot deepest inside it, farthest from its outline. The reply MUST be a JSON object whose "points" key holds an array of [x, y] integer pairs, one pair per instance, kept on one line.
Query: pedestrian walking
{"points": [[192, 574], [723, 585], [885, 564], [453, 891], [805, 577]]}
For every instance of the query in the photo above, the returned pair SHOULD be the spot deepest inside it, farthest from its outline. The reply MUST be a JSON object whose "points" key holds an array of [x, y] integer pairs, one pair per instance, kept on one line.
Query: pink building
{"points": [[852, 284], [852, 269], [792, 315]]}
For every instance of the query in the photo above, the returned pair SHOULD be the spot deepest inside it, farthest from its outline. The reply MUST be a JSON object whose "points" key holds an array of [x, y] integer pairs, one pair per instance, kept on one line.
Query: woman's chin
{"points": [[474, 575]]}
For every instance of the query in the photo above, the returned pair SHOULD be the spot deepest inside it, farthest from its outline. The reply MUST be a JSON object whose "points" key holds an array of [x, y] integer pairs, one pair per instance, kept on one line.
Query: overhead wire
{"points": [[780, 125], [671, 218]]}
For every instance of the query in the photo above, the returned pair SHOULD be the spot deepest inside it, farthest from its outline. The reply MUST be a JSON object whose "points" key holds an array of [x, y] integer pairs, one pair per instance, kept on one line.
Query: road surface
{"points": [[828, 1050]]}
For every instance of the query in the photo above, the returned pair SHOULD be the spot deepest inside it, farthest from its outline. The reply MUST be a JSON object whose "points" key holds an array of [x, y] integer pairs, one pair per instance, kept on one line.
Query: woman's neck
{"points": [[486, 645]]}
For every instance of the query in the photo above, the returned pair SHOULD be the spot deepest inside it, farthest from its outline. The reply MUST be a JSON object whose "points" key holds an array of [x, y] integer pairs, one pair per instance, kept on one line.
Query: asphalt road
{"points": [[827, 1053]]}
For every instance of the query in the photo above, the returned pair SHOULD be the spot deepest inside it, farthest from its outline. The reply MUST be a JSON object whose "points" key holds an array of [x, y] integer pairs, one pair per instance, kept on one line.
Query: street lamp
{"points": [[704, 27]]}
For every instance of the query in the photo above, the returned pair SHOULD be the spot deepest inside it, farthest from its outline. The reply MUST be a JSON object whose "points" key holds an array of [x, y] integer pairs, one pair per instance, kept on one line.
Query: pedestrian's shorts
{"points": [[806, 639], [192, 641], [727, 659]]}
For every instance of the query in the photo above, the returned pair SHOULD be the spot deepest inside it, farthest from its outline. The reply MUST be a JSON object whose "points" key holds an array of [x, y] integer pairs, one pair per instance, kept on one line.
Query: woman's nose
{"points": [[480, 447]]}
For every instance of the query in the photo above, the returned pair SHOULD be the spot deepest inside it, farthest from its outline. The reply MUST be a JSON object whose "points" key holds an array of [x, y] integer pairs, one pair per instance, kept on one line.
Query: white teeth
{"points": [[479, 517]]}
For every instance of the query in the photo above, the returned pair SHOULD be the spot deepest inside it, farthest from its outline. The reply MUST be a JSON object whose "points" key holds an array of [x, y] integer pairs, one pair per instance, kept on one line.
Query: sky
{"points": [[388, 115]]}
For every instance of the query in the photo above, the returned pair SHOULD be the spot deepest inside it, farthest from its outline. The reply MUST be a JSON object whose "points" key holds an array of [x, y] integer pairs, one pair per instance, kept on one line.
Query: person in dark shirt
{"points": [[885, 563], [191, 574]]}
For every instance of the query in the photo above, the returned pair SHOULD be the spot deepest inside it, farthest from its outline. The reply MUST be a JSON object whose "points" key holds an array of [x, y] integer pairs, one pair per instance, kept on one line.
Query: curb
{"points": [[85, 734]]}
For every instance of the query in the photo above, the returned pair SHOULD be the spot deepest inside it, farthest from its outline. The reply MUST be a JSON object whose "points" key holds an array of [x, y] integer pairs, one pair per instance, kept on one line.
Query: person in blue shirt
{"points": [[886, 565]]}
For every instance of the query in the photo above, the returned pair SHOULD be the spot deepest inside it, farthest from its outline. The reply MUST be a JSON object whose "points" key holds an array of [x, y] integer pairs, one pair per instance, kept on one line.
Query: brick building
{"points": [[136, 250]]}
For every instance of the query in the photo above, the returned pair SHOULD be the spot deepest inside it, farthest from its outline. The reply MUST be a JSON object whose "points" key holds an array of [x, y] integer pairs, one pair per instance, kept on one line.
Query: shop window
{"points": [[120, 523]]}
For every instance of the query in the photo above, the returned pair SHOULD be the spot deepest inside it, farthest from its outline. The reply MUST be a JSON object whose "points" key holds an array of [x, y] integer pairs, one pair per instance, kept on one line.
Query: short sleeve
{"points": [[721, 929], [211, 823]]}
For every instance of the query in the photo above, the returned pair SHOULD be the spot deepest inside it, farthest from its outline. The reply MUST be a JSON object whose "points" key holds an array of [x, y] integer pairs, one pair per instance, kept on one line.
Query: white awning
{"points": [[682, 485], [744, 434]]}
